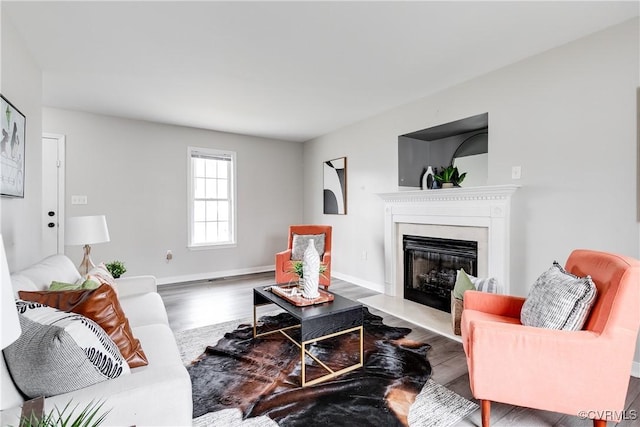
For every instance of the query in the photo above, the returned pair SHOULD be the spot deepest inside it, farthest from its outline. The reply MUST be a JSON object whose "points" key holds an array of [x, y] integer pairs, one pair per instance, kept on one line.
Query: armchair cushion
{"points": [[301, 241], [559, 300]]}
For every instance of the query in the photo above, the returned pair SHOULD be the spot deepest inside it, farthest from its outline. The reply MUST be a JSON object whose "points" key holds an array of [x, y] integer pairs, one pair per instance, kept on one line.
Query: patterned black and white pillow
{"points": [[59, 352], [559, 300]]}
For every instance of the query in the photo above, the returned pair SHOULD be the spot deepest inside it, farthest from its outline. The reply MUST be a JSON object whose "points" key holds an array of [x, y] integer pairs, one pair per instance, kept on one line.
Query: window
{"points": [[211, 197]]}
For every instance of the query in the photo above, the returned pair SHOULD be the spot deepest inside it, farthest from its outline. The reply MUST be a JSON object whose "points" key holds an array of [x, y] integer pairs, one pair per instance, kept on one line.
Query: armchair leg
{"points": [[485, 408], [599, 423]]}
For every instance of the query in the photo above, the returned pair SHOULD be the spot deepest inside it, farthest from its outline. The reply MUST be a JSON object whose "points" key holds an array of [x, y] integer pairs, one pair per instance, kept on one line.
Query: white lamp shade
{"points": [[8, 313], [86, 230]]}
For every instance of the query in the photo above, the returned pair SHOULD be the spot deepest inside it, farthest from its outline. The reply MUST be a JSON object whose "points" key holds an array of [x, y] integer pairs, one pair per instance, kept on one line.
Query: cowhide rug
{"points": [[261, 376]]}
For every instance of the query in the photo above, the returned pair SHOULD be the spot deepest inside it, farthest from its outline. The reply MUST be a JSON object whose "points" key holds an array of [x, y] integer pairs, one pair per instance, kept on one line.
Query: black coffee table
{"points": [[315, 323]]}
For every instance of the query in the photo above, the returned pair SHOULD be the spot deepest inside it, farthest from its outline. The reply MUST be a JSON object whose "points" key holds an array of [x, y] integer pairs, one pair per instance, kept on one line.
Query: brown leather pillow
{"points": [[102, 306]]}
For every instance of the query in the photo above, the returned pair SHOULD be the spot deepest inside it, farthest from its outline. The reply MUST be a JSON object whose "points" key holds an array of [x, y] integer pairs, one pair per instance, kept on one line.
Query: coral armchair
{"points": [[557, 370], [283, 259]]}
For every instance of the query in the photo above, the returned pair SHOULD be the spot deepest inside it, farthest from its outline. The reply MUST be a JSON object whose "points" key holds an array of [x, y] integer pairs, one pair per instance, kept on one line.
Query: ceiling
{"points": [[284, 70]]}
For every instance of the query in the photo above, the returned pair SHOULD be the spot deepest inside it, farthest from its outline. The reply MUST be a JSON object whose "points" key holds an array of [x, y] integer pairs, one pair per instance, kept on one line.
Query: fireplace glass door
{"points": [[431, 265]]}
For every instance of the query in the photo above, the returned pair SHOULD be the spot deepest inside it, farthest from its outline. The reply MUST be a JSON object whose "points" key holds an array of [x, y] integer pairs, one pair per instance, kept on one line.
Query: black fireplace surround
{"points": [[431, 265]]}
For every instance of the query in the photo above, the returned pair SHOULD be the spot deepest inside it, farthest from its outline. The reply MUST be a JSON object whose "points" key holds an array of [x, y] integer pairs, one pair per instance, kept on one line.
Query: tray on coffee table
{"points": [[293, 295]]}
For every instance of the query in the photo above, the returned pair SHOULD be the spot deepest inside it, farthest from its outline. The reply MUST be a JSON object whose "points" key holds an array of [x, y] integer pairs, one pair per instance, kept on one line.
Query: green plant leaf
{"points": [[90, 416], [296, 268]]}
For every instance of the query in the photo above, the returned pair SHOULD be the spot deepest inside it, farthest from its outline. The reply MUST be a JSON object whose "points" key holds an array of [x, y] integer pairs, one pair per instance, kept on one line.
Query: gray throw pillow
{"points": [[59, 352], [486, 284], [559, 300], [301, 241]]}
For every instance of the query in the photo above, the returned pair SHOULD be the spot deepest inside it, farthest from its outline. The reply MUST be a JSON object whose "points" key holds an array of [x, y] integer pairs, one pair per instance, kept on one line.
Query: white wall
{"points": [[135, 173], [567, 116], [21, 84]]}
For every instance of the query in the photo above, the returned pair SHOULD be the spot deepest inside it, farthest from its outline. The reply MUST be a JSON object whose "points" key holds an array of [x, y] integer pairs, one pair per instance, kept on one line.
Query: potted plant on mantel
{"points": [[450, 177]]}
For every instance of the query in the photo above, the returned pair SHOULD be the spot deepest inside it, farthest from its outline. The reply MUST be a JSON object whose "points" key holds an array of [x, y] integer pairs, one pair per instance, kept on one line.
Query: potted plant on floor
{"points": [[450, 177]]}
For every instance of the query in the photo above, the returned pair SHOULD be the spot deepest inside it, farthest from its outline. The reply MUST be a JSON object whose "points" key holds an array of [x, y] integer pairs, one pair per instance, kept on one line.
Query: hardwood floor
{"points": [[195, 304]]}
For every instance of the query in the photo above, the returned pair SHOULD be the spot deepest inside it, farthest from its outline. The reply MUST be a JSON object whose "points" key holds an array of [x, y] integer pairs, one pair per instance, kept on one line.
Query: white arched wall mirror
{"points": [[472, 157]]}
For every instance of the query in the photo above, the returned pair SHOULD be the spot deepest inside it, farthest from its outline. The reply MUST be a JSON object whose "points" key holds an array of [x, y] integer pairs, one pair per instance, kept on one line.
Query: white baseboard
{"points": [[213, 275], [635, 369], [374, 286]]}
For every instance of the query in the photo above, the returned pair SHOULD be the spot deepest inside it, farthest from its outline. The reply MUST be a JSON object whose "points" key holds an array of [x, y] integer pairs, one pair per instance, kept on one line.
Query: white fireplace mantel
{"points": [[479, 207]]}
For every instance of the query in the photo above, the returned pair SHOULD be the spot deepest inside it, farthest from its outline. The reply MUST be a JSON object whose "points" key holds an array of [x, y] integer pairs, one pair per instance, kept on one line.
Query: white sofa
{"points": [[152, 395]]}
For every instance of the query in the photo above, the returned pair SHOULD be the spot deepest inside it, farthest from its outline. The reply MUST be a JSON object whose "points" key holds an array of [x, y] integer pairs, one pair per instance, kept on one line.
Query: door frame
{"points": [[61, 185]]}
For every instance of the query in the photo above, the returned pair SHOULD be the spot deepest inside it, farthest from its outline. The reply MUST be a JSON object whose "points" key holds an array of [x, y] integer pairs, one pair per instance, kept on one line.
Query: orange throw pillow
{"points": [[102, 306]]}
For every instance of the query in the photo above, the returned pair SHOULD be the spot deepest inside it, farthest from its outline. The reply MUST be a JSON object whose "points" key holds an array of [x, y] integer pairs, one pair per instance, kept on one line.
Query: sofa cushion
{"points": [[153, 312], [100, 274], [21, 282], [58, 352], [102, 306], [301, 242], [55, 267], [559, 300], [62, 286], [463, 283], [161, 345]]}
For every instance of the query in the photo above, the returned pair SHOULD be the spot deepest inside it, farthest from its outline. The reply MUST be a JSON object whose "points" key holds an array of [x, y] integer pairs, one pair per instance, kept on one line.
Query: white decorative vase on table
{"points": [[311, 271]]}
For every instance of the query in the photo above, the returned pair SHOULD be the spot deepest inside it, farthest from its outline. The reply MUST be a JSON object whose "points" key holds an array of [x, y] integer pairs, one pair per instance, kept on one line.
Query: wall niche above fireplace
{"points": [[464, 143]]}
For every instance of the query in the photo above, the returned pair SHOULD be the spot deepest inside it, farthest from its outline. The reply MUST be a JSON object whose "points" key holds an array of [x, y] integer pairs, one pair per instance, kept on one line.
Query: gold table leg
{"points": [[332, 373], [304, 351]]}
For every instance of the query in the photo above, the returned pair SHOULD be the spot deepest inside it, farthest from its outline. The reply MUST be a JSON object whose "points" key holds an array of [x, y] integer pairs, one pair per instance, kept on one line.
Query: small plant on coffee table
{"points": [[296, 268]]}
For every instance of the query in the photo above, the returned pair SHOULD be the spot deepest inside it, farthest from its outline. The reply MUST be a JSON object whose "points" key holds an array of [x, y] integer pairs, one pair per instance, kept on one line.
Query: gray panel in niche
{"points": [[435, 146]]}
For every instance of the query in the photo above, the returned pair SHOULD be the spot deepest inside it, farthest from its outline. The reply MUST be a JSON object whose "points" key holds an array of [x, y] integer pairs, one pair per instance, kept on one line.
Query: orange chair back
{"points": [[617, 278]]}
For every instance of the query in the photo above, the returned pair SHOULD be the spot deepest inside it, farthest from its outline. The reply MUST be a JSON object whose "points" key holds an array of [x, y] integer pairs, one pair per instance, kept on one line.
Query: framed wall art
{"points": [[12, 150], [335, 186]]}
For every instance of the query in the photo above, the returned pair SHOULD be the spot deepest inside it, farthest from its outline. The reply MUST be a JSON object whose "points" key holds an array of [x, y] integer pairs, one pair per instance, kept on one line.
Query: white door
{"points": [[53, 194]]}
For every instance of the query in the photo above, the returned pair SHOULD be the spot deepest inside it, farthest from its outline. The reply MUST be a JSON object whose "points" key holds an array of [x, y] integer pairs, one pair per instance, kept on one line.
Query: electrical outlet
{"points": [[363, 256], [516, 172]]}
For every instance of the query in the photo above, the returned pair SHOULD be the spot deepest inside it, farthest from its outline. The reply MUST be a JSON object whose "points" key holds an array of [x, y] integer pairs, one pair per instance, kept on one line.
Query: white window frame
{"points": [[191, 151]]}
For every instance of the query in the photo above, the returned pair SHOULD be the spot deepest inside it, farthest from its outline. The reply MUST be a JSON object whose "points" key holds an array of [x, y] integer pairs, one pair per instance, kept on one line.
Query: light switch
{"points": [[516, 172], [78, 200]]}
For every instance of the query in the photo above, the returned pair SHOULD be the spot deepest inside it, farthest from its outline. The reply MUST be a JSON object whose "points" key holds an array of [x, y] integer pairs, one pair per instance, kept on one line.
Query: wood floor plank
{"points": [[196, 304]]}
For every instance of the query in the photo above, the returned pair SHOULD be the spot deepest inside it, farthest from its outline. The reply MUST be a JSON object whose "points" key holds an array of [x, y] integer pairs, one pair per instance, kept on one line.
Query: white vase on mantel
{"points": [[311, 271], [427, 179]]}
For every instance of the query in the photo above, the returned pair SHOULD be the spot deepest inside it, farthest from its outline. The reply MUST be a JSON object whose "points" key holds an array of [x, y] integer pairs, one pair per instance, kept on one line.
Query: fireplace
{"points": [[479, 214], [431, 265]]}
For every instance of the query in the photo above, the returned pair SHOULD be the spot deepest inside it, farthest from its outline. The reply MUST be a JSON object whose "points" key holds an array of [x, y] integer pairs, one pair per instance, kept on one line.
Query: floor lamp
{"points": [[86, 230]]}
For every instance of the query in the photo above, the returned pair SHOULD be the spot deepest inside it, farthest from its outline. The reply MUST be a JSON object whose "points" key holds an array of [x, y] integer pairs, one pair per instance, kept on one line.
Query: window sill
{"points": [[211, 246]]}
